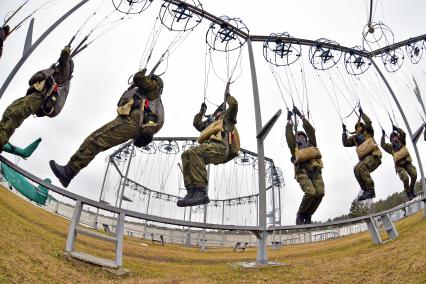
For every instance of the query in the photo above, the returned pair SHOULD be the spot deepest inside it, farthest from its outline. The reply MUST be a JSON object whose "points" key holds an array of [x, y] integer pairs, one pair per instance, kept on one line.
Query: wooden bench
{"points": [[161, 240], [240, 246]]}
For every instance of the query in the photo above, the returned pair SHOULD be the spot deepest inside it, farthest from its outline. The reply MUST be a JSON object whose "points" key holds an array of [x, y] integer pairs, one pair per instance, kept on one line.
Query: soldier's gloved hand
{"points": [[67, 49], [344, 127], [289, 114], [394, 128], [297, 111], [383, 132], [203, 108], [361, 112]]}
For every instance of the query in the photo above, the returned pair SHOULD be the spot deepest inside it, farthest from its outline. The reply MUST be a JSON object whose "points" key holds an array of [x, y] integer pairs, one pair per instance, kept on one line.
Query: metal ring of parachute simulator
{"points": [[189, 144], [179, 17], [414, 51], [224, 37], [323, 58], [393, 59], [245, 159], [356, 64], [131, 6], [168, 147], [377, 33], [280, 53], [149, 149]]}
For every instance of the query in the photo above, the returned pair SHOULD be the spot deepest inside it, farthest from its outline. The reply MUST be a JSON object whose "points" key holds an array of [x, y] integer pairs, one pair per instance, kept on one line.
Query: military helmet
{"points": [[159, 81]]}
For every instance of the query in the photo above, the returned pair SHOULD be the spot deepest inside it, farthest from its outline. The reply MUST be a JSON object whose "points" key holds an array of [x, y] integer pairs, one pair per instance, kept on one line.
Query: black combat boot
{"points": [[411, 195], [198, 197], [308, 219], [300, 219], [367, 194], [182, 202], [63, 173]]}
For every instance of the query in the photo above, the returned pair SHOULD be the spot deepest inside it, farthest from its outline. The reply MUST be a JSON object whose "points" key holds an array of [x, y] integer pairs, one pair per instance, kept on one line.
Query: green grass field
{"points": [[32, 242]]}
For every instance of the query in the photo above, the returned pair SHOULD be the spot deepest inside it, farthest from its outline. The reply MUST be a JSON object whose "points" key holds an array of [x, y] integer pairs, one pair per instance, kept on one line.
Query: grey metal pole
{"points": [[102, 191], [146, 212], [401, 111], [257, 210], [121, 186], [125, 176], [36, 44], [29, 38], [223, 212], [261, 257], [203, 244], [279, 204], [188, 232]]}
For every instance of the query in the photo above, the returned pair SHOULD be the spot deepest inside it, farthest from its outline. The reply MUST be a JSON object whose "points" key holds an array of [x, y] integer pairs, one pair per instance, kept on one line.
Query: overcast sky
{"points": [[101, 74]]}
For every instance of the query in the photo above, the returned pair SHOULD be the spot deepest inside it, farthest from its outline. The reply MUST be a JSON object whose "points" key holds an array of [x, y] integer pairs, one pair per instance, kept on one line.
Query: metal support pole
{"points": [[75, 220], [401, 111], [261, 257], [146, 211], [102, 192], [119, 244], [188, 232], [122, 185], [279, 204], [223, 212], [203, 242], [36, 44], [125, 176], [29, 38]]}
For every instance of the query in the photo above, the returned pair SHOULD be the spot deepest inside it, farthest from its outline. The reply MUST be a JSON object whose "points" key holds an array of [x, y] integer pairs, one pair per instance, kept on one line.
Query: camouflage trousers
{"points": [[363, 171], [407, 172], [16, 113], [115, 132], [312, 185], [194, 161]]}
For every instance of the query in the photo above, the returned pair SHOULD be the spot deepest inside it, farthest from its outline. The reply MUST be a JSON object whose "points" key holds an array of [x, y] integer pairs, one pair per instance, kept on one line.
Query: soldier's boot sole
{"points": [[198, 201]]}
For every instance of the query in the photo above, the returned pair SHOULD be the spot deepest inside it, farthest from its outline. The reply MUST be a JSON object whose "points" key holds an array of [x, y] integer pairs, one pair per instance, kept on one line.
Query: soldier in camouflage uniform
{"points": [[403, 163], [134, 121], [214, 150], [308, 172], [372, 159], [4, 33], [32, 103]]}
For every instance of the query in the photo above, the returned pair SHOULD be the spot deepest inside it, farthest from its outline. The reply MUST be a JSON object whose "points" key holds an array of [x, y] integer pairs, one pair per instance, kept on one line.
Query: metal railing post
{"points": [[75, 220]]}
